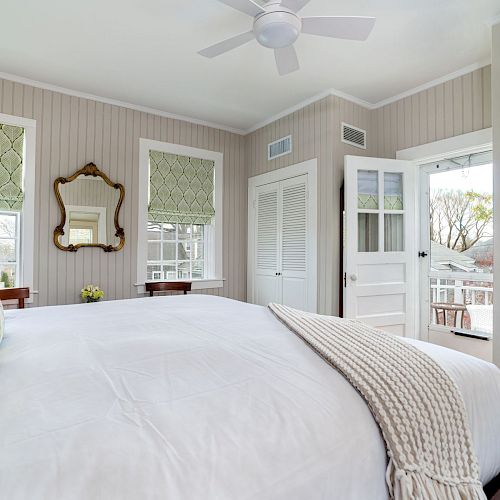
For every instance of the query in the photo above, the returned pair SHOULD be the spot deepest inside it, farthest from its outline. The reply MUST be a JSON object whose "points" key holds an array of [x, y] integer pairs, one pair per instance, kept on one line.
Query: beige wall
{"points": [[315, 132], [71, 132], [456, 107], [453, 108], [495, 85]]}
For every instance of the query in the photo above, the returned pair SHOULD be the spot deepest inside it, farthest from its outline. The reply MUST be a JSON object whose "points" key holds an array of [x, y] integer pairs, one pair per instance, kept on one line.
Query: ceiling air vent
{"points": [[278, 148], [354, 136]]}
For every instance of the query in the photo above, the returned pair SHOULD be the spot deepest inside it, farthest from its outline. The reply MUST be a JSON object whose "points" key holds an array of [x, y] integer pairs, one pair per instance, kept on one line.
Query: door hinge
{"points": [[423, 254]]}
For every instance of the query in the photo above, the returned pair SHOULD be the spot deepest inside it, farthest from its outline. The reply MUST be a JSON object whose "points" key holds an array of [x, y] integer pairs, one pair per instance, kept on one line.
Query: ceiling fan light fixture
{"points": [[277, 30], [276, 25]]}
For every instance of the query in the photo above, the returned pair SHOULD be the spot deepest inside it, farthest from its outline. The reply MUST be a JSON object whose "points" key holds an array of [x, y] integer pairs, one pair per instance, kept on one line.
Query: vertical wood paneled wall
{"points": [[73, 131], [315, 132], [456, 107], [453, 108]]}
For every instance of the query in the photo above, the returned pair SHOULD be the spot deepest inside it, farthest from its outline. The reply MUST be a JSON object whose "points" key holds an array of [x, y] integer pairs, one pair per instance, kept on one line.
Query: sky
{"points": [[478, 179]]}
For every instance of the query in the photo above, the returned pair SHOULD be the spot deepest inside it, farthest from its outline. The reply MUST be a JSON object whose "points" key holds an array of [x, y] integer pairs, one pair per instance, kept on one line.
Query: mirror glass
{"points": [[90, 205]]}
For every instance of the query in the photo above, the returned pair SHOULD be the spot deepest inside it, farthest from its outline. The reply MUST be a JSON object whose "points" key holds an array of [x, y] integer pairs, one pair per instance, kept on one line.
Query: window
{"points": [[9, 249], [85, 235], [17, 187], [176, 251], [180, 196]]}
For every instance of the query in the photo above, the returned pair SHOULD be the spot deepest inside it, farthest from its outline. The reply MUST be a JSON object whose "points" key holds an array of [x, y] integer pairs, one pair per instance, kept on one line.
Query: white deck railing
{"points": [[469, 289]]}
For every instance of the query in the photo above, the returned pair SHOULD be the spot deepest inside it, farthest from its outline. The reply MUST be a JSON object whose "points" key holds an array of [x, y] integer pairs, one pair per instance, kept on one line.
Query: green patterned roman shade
{"points": [[11, 167], [181, 189]]}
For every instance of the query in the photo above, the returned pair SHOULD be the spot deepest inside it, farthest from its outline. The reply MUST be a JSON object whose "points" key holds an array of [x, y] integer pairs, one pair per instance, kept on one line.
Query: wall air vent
{"points": [[354, 136], [278, 148]]}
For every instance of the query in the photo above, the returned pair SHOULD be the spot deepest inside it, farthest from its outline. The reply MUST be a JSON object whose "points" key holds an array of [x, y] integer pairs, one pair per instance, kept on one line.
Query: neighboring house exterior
{"points": [[475, 293], [482, 253], [446, 259]]}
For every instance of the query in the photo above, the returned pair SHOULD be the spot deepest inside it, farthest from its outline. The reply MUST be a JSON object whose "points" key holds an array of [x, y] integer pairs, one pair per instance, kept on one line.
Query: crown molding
{"points": [[307, 102], [433, 83], [270, 119], [288, 111], [366, 104], [115, 102]]}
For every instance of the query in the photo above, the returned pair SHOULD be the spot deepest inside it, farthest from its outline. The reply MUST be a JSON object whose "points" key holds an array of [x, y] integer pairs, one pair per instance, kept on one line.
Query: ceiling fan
{"points": [[277, 26]]}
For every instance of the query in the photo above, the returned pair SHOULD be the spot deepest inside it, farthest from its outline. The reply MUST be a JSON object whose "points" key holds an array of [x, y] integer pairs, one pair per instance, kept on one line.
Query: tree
{"points": [[5, 280], [459, 219]]}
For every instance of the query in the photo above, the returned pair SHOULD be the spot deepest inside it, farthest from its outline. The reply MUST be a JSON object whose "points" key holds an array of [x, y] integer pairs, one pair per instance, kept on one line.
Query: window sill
{"points": [[195, 284]]}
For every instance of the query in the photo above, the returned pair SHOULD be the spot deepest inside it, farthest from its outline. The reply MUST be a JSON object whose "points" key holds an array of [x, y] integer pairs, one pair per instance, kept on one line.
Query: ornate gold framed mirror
{"points": [[90, 207]]}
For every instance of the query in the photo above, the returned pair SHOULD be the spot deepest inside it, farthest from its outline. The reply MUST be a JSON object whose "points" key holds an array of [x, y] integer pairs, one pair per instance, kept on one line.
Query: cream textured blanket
{"points": [[418, 407]]}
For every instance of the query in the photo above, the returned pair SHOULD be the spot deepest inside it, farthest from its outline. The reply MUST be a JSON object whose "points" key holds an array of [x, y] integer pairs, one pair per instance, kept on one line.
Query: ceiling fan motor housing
{"points": [[277, 27]]}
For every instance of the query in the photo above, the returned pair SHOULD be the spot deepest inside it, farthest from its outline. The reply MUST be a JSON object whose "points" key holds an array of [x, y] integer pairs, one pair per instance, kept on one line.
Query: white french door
{"points": [[380, 243], [282, 239]]}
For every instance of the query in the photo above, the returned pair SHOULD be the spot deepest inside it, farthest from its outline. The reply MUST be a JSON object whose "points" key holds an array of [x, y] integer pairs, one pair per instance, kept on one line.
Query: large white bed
{"points": [[195, 397]]}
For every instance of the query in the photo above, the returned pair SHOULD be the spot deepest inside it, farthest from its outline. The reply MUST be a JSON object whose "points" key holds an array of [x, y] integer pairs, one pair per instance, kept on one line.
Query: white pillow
{"points": [[2, 321]]}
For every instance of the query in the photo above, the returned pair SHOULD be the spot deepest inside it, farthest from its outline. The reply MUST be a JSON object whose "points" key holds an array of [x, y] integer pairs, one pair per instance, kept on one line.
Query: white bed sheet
{"points": [[195, 397]]}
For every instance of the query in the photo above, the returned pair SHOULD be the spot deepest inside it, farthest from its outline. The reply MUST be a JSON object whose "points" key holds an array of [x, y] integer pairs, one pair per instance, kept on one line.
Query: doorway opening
{"points": [[456, 254]]}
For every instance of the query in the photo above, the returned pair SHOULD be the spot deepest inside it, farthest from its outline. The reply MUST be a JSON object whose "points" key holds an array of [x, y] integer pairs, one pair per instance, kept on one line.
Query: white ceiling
{"points": [[144, 52]]}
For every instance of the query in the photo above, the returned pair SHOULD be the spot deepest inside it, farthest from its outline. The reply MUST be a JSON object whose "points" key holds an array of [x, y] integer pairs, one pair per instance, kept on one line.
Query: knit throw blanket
{"points": [[418, 407]]}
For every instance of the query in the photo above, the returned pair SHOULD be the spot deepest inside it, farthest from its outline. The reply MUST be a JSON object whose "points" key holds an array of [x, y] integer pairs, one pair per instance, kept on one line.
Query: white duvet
{"points": [[195, 397]]}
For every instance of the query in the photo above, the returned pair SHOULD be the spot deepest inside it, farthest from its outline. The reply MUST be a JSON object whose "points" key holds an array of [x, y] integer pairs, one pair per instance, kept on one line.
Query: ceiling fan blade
{"points": [[227, 45], [286, 60], [246, 6], [349, 28], [294, 5]]}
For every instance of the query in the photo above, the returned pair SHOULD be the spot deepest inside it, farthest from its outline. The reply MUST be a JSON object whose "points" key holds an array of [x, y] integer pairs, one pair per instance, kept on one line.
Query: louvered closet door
{"points": [[267, 282], [294, 241]]}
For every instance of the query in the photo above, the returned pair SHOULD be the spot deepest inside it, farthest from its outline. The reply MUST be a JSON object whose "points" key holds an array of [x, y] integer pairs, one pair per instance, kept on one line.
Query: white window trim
{"points": [[145, 146], [28, 213]]}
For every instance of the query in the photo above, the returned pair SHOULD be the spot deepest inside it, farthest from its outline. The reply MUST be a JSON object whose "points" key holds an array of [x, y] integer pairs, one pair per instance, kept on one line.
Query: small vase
{"points": [[90, 299]]}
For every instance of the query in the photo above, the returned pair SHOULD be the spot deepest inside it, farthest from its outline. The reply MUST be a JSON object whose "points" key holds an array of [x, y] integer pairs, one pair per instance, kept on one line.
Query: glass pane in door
{"points": [[393, 233], [368, 189], [393, 191], [367, 232]]}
